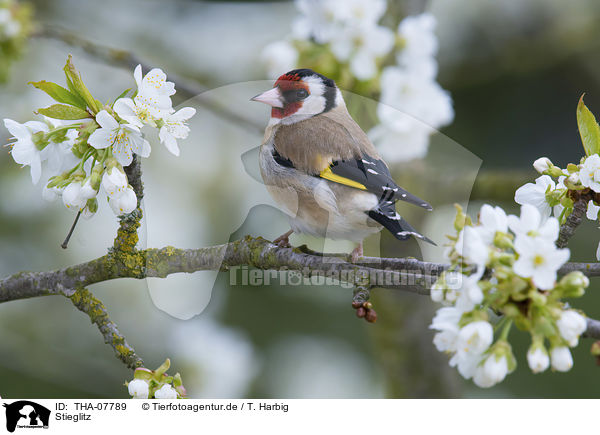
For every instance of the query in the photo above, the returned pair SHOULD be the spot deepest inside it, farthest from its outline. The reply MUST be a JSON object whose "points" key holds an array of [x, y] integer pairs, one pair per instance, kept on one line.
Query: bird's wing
{"points": [[311, 145], [334, 147], [372, 175]]}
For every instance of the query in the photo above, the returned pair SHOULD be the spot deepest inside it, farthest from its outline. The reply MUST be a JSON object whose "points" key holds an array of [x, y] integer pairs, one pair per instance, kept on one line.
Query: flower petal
{"points": [[169, 141], [106, 120], [101, 138]]}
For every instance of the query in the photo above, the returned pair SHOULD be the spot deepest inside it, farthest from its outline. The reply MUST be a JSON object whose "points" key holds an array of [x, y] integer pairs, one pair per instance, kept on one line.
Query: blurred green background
{"points": [[515, 70]]}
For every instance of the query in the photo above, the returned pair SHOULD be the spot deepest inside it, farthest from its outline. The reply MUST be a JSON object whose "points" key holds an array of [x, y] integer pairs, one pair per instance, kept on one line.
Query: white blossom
{"points": [[470, 293], [125, 139], [592, 210], [87, 191], [493, 220], [589, 174], [535, 194], [363, 12], [538, 359], [58, 154], [9, 27], [165, 392], [51, 193], [24, 151], [114, 182], [530, 224], [138, 389], [154, 83], [475, 337], [562, 360], [362, 45], [174, 126], [71, 197], [446, 288], [419, 45], [472, 341], [152, 101], [472, 247], [491, 372], [76, 194], [406, 96], [320, 19], [446, 323], [124, 203], [542, 164], [571, 325], [412, 106], [278, 58], [539, 260]]}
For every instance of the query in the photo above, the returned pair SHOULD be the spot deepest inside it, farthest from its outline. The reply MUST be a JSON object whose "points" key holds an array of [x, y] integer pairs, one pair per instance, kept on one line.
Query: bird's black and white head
{"points": [[300, 94]]}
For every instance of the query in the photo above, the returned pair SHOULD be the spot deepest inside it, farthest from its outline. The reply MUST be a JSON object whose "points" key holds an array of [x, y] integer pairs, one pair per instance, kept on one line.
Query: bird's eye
{"points": [[301, 94]]}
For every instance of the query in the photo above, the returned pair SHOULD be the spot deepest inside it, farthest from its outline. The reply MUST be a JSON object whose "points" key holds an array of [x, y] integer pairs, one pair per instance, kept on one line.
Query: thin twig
{"points": [[66, 242]]}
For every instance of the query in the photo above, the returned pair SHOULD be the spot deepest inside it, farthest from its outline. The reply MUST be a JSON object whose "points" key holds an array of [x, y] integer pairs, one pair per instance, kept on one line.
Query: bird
{"points": [[322, 169]]}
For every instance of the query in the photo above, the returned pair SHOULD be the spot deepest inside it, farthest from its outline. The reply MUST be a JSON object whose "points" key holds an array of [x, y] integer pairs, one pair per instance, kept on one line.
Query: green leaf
{"points": [[123, 94], [62, 111], [588, 129], [76, 84], [60, 94]]}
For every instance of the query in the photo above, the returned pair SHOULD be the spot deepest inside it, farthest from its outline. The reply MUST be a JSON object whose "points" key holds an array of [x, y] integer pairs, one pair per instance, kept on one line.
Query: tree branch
{"points": [[392, 273], [573, 220], [87, 303]]}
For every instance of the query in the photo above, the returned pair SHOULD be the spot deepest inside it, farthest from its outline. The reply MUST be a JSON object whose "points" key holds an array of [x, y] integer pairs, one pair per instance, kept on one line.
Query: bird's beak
{"points": [[272, 97]]}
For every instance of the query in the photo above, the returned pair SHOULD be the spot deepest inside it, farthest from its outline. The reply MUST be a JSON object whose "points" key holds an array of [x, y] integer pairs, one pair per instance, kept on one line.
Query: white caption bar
{"points": [[254, 416]]}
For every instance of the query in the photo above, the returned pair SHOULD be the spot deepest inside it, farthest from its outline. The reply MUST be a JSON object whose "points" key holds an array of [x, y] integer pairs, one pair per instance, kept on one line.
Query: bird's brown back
{"points": [[314, 143]]}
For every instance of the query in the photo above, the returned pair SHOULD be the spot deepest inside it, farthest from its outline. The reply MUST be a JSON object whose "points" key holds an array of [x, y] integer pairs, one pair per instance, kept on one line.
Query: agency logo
{"points": [[26, 414]]}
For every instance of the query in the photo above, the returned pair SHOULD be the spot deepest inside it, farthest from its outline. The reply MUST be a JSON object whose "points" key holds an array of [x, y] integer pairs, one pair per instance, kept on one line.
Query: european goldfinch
{"points": [[320, 166]]}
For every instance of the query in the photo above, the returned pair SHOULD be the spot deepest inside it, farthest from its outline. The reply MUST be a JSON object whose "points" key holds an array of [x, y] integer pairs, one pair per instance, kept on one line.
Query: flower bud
{"points": [[502, 240], [138, 389], [573, 285], [542, 164], [124, 203], [87, 191], [96, 177], [371, 316], [572, 168], [493, 370], [71, 198], [595, 350], [573, 181], [537, 358], [566, 202], [51, 193], [571, 325], [165, 392], [114, 182], [562, 360]]}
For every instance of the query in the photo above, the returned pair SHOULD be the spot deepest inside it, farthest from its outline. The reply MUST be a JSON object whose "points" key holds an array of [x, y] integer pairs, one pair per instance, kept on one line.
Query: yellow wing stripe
{"points": [[328, 175]]}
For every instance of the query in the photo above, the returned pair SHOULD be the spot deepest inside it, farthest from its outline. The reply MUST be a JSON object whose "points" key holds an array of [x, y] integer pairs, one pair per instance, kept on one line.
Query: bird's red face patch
{"points": [[288, 84]]}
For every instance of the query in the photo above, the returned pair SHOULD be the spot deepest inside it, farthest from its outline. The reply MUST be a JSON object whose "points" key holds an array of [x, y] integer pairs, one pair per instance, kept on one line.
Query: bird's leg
{"points": [[283, 240], [356, 253]]}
